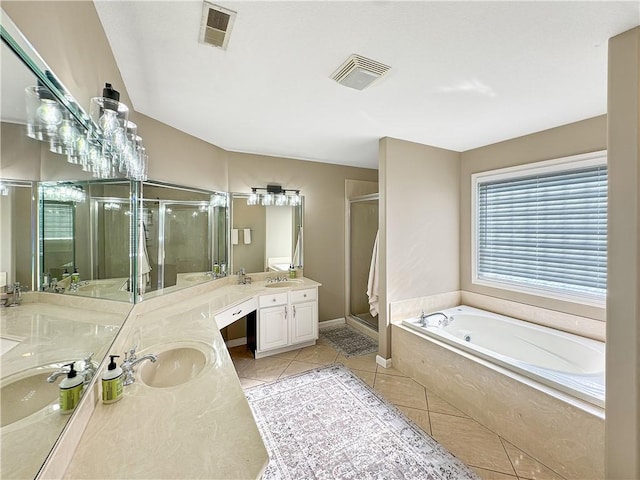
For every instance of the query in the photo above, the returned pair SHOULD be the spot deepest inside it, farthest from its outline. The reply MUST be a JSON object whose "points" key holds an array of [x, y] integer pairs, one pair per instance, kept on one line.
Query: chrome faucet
{"points": [[16, 296], [87, 372], [131, 361], [443, 322], [242, 277]]}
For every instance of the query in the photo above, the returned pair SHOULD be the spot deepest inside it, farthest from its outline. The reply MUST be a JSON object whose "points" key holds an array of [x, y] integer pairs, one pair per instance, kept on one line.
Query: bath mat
{"points": [[349, 341], [329, 424]]}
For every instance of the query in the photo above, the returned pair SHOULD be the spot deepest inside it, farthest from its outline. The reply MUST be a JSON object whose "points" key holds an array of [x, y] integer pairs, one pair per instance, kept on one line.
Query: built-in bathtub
{"points": [[569, 363], [540, 389]]}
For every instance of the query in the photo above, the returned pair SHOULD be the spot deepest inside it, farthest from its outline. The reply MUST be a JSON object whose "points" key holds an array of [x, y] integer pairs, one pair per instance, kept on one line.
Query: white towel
{"points": [[372, 284], [143, 261], [247, 236], [234, 236]]}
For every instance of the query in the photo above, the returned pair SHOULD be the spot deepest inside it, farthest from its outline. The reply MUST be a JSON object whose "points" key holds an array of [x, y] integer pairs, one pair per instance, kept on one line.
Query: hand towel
{"points": [[234, 236], [247, 236], [372, 283], [144, 268]]}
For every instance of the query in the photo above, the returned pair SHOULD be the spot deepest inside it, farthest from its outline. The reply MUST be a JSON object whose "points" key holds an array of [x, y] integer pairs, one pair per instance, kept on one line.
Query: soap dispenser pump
{"points": [[70, 390], [112, 382]]}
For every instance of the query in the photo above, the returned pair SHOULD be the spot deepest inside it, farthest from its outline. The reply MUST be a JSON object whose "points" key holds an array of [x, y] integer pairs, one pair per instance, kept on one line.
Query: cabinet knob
{"points": [[304, 295], [273, 299]]}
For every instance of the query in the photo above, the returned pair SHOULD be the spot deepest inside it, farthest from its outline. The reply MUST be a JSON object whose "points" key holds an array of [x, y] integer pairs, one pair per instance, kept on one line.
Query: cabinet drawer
{"points": [[273, 299], [305, 295], [230, 315]]}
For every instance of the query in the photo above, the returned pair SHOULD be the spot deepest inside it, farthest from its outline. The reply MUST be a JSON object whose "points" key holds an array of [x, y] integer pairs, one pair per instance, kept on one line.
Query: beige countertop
{"points": [[200, 429], [50, 330]]}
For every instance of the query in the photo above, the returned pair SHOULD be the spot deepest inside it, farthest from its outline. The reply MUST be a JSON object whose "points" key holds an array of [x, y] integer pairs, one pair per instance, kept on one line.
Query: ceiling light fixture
{"points": [[359, 72]]}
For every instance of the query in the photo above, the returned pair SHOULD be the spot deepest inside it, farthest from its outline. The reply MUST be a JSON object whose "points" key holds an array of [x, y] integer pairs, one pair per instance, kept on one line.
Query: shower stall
{"points": [[363, 227]]}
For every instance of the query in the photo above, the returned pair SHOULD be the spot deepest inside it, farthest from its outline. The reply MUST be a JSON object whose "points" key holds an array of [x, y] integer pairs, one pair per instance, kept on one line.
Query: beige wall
{"points": [[323, 187], [622, 430], [575, 138], [419, 210]]}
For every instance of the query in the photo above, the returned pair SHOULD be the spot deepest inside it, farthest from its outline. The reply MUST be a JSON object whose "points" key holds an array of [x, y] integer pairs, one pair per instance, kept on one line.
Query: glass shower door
{"points": [[187, 242], [363, 219]]}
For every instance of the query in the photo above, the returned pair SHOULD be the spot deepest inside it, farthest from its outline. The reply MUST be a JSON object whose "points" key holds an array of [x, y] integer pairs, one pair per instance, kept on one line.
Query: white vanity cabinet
{"points": [[287, 320], [273, 321]]}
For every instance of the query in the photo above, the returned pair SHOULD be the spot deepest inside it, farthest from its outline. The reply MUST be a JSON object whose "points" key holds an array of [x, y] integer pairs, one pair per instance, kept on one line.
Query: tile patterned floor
{"points": [[490, 456]]}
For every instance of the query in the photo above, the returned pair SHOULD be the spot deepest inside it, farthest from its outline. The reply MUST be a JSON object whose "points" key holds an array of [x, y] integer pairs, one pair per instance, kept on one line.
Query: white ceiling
{"points": [[464, 74]]}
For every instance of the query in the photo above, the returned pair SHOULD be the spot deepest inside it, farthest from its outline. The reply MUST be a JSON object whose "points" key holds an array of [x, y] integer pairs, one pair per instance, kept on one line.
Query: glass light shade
{"points": [[267, 199], [294, 200], [253, 199], [43, 113], [281, 200]]}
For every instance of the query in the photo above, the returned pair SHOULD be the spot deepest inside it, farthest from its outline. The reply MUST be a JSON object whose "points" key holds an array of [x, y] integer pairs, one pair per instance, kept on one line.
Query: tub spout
{"points": [[443, 322]]}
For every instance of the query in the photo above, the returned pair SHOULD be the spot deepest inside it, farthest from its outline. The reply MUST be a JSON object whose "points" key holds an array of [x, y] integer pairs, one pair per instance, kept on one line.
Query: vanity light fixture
{"points": [[275, 195], [104, 142], [64, 192]]}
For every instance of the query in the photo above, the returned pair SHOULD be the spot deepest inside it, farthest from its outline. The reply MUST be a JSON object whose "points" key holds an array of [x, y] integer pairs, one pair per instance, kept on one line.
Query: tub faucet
{"points": [[443, 322], [131, 361]]}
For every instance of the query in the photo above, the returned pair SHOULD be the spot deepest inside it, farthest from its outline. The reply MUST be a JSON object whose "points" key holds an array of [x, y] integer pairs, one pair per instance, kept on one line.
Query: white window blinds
{"points": [[58, 221], [547, 230]]}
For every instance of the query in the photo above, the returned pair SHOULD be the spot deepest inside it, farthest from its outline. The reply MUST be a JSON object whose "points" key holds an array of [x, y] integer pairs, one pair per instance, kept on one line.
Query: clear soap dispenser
{"points": [[70, 390], [112, 382]]}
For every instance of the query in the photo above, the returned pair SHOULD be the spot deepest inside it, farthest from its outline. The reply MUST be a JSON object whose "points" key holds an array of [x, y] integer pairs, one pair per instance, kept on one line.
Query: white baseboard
{"points": [[236, 342], [383, 362], [331, 323]]}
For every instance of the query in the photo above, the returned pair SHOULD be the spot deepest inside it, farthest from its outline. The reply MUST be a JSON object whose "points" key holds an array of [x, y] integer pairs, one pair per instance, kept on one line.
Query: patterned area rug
{"points": [[328, 424], [349, 341]]}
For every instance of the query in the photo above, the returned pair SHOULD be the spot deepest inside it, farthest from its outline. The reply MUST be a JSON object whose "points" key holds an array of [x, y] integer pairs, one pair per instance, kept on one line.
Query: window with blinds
{"points": [[58, 222], [544, 229]]}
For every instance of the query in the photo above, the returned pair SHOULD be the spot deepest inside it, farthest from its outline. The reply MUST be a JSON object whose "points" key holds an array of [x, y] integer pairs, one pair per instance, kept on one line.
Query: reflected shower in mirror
{"points": [[16, 238], [266, 238], [183, 239]]}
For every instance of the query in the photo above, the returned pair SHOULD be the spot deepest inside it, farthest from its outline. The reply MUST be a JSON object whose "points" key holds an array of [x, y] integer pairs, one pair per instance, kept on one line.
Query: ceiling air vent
{"points": [[359, 72], [216, 25]]}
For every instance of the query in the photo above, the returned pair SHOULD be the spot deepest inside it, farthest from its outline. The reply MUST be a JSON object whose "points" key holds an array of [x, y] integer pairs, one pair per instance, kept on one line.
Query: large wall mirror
{"points": [[266, 238], [92, 229], [37, 337]]}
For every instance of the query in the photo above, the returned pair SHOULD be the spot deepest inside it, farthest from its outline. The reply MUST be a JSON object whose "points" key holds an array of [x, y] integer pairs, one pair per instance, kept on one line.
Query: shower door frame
{"points": [[352, 319]]}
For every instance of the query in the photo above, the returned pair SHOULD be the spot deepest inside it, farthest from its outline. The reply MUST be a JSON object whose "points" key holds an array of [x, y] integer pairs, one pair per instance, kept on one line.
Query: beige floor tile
{"points": [[390, 371], [366, 377], [288, 355], [417, 416], [528, 467], [323, 354], [401, 391], [438, 405], [250, 382], [491, 475], [299, 367], [362, 362], [265, 369], [470, 442]]}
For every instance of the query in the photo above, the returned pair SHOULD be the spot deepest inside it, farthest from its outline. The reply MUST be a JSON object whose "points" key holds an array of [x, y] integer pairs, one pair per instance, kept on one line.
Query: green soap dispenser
{"points": [[112, 382], [75, 276], [70, 390]]}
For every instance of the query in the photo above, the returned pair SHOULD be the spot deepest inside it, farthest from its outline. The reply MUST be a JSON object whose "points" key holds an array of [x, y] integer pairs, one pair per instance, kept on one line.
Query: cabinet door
{"points": [[273, 331], [304, 324]]}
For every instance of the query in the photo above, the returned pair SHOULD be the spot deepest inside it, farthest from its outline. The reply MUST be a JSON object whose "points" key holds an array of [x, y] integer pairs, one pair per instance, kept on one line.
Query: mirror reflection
{"points": [[87, 231], [183, 237], [266, 238]]}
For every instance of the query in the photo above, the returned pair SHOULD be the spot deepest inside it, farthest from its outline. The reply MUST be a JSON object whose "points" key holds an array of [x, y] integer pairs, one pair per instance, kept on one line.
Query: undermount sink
{"points": [[23, 395], [288, 283], [174, 366]]}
